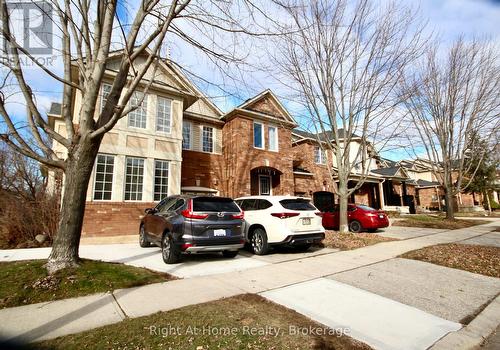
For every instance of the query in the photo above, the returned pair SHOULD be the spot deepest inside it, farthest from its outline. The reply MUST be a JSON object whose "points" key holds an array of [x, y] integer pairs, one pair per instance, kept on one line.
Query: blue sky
{"points": [[447, 18]]}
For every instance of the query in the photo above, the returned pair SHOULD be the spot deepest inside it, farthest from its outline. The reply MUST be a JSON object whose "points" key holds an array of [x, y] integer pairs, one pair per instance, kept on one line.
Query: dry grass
{"points": [[484, 260], [26, 282], [429, 221], [349, 241], [242, 312]]}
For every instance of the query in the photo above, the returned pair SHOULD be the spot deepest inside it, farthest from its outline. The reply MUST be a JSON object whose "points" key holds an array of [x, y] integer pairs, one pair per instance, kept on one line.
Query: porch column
{"points": [[381, 195]]}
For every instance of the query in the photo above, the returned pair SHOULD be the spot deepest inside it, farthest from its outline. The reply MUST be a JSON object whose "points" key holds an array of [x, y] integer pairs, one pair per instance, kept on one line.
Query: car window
{"points": [[366, 208], [178, 204], [297, 204], [264, 204], [214, 204], [248, 205], [165, 203]]}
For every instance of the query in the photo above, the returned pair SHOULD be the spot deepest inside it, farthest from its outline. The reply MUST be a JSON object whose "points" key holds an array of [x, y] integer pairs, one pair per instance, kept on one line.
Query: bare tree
{"points": [[454, 101], [343, 60], [89, 30]]}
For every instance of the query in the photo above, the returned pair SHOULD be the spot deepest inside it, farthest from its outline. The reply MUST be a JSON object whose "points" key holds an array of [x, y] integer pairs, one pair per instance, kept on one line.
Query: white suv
{"points": [[280, 220]]}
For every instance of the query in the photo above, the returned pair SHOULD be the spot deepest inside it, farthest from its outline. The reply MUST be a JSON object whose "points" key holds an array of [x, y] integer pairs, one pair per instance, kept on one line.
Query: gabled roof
{"points": [[395, 171], [253, 107], [425, 183]]}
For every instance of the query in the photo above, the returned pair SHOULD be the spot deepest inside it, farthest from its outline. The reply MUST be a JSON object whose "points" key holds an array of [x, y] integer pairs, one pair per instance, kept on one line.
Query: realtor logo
{"points": [[31, 25]]}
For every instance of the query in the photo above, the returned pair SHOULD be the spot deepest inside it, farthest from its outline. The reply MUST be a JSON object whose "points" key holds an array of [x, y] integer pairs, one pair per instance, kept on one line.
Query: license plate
{"points": [[220, 233], [306, 221]]}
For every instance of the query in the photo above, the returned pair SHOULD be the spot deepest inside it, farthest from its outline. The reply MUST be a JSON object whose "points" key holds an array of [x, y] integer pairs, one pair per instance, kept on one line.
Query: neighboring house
{"points": [[140, 160]]}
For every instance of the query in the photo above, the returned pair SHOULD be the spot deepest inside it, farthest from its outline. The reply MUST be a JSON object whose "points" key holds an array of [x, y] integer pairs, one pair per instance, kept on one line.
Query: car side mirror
{"points": [[150, 210]]}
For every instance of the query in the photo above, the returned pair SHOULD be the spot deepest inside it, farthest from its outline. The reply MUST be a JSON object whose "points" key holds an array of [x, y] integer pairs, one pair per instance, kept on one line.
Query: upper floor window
{"points": [[186, 135], [319, 155], [106, 89], [134, 178], [104, 177], [163, 115], [137, 117], [258, 135], [208, 139], [273, 138]]}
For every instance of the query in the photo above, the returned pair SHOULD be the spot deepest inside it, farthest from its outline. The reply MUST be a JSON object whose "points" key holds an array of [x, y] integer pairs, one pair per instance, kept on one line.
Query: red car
{"points": [[360, 217]]}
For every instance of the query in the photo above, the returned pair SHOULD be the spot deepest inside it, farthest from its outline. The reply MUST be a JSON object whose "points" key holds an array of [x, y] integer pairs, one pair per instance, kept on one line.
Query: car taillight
{"points": [[188, 213], [319, 213], [285, 215], [239, 216]]}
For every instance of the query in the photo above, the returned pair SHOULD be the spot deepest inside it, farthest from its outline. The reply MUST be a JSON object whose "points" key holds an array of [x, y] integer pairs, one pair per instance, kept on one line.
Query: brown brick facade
{"points": [[304, 159], [113, 218], [243, 161], [202, 169]]}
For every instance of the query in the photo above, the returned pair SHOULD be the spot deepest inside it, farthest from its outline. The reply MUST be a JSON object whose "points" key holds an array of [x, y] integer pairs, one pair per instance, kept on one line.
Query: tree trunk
{"points": [[66, 243], [450, 212], [488, 200], [343, 223]]}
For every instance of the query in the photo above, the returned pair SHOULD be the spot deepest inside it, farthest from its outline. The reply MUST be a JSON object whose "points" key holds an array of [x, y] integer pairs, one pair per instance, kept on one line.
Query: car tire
{"points": [[229, 253], [143, 240], [169, 251], [303, 247], [372, 230], [355, 226], [259, 242]]}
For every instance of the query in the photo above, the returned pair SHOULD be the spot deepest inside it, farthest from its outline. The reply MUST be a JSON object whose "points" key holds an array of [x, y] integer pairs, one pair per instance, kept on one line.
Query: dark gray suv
{"points": [[193, 224]]}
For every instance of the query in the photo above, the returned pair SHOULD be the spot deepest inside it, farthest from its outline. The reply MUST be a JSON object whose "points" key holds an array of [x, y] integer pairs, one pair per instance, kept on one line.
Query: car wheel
{"points": [[143, 240], [169, 251], [303, 247], [259, 242], [355, 226], [229, 253], [372, 230]]}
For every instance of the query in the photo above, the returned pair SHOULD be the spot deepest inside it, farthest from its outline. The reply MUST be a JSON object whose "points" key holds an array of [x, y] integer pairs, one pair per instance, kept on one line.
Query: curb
{"points": [[475, 333]]}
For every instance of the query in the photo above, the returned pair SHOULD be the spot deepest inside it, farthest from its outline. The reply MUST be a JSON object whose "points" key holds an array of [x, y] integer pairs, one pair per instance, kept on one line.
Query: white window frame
{"points": [[112, 178], [103, 100], [142, 107], [190, 134], [203, 139], [321, 155], [276, 142], [263, 139], [125, 180], [154, 177], [169, 130], [270, 185]]}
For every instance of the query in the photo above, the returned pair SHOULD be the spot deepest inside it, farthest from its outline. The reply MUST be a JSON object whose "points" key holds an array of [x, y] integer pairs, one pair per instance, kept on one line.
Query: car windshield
{"points": [[297, 204], [214, 204], [365, 207]]}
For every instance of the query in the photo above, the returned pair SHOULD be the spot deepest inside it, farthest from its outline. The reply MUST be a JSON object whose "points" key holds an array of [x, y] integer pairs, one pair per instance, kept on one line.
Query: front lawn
{"points": [[484, 260], [349, 241], [242, 322], [430, 221], [26, 282]]}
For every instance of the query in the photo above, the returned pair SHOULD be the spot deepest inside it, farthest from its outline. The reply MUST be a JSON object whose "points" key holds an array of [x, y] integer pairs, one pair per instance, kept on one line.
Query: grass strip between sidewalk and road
{"points": [[484, 260], [27, 282], [349, 241], [439, 222], [246, 321]]}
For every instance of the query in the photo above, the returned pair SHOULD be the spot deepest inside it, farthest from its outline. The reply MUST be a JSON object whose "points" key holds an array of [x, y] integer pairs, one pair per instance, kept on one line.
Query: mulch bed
{"points": [[484, 260], [349, 241]]}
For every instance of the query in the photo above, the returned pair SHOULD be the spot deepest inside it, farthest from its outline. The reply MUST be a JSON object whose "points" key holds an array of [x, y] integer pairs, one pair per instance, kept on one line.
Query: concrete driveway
{"points": [[190, 266]]}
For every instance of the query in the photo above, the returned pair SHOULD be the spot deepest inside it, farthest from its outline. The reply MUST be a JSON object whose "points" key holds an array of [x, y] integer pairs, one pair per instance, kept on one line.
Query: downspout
{"points": [[439, 200]]}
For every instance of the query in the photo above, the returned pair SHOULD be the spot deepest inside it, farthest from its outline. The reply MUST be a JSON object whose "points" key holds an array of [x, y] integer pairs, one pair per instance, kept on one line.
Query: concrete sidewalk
{"points": [[49, 320]]}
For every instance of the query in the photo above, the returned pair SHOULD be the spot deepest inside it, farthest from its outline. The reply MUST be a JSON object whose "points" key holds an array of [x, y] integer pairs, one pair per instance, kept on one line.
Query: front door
{"points": [[264, 185]]}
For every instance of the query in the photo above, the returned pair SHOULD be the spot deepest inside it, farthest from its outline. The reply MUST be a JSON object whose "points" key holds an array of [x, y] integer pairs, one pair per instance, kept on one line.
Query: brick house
{"points": [[178, 141]]}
